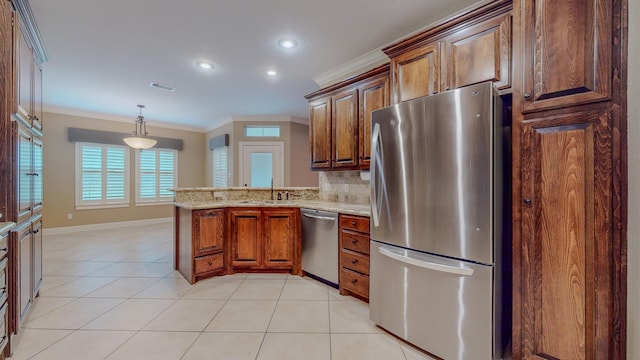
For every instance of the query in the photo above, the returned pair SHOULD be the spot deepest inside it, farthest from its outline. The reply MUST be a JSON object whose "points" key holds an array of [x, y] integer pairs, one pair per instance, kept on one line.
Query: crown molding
{"points": [[30, 27], [356, 66]]}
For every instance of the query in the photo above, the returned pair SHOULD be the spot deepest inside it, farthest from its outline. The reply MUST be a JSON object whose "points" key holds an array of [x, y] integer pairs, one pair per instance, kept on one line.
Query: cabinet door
{"points": [[373, 95], [478, 54], [320, 133], [246, 238], [24, 63], [36, 175], [567, 52], [566, 257], [280, 234], [345, 129], [24, 276], [416, 73], [37, 257], [37, 95], [208, 232], [25, 173]]}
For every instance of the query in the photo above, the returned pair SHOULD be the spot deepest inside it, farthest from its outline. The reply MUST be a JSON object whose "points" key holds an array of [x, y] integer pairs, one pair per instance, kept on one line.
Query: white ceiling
{"points": [[103, 54]]}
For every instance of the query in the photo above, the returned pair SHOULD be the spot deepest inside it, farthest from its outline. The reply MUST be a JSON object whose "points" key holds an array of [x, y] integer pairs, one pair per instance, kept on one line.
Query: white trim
{"points": [[157, 200], [241, 148], [155, 203], [103, 203], [103, 226], [353, 67]]}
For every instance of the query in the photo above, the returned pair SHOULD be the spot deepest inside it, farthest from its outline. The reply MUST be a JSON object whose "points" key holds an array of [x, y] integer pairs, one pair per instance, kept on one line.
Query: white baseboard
{"points": [[103, 226]]}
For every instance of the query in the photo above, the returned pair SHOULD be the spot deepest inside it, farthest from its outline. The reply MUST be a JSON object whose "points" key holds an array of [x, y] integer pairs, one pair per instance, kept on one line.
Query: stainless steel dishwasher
{"points": [[320, 245]]}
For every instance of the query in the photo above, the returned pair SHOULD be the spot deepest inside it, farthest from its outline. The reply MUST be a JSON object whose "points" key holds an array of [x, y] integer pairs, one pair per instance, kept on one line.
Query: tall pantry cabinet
{"points": [[21, 156], [569, 179]]}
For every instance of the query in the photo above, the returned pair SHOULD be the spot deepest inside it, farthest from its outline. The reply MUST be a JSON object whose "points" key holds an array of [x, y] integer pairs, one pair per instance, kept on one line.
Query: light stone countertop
{"points": [[5, 227], [343, 208]]}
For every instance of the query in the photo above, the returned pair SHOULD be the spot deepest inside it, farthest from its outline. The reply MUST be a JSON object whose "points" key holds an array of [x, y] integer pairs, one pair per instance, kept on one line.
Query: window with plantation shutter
{"points": [[220, 166], [156, 175], [102, 175]]}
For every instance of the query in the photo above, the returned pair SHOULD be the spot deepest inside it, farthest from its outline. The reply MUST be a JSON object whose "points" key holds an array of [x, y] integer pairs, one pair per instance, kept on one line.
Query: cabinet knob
{"points": [[446, 88], [210, 263], [354, 241], [527, 201], [353, 223], [354, 281], [527, 96], [354, 261]]}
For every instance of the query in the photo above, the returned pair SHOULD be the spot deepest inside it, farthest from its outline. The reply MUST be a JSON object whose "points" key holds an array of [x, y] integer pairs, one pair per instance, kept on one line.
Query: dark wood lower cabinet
{"points": [[565, 259], [353, 256]]}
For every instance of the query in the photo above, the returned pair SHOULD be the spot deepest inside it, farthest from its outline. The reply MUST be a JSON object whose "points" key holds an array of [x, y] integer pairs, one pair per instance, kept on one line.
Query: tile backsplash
{"points": [[344, 187]]}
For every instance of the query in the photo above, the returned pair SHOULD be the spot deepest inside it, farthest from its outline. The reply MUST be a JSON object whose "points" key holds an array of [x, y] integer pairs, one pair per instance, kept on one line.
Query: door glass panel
{"points": [[261, 169]]}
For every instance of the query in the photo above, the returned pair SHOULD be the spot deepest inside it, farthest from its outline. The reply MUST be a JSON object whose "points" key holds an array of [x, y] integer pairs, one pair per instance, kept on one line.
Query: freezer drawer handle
{"points": [[319, 217], [426, 264]]}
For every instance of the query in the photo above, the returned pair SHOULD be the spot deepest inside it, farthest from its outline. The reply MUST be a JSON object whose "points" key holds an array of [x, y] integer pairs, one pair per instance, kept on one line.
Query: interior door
{"points": [[261, 163]]}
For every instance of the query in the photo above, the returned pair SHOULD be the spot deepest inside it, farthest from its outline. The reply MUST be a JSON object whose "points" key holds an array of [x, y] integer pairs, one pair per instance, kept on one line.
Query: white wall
{"points": [[633, 131]]}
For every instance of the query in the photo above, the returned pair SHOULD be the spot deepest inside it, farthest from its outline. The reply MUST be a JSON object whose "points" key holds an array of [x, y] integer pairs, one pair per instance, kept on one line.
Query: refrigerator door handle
{"points": [[376, 161], [425, 264]]}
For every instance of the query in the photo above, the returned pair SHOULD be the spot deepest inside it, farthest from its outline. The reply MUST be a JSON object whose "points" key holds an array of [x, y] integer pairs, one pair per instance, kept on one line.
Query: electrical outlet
{"points": [[69, 216]]}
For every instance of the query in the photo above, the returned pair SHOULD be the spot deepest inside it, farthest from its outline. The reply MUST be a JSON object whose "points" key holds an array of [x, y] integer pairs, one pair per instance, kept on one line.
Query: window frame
{"points": [[103, 203], [263, 128], [158, 199]]}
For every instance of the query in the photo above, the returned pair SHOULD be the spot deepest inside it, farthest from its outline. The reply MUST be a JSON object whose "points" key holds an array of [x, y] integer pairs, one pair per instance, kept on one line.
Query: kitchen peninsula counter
{"points": [[343, 208]]}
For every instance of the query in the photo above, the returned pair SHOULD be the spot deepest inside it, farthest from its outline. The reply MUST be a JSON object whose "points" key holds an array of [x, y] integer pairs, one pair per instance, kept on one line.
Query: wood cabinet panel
{"points": [[246, 238], [353, 256], [566, 258], [208, 231], [567, 52], [37, 95], [345, 129], [209, 263], [320, 133], [24, 245], [479, 53], [416, 73], [373, 95], [37, 258], [36, 171], [355, 282], [279, 237], [24, 157], [24, 64], [355, 223], [355, 242], [355, 261]]}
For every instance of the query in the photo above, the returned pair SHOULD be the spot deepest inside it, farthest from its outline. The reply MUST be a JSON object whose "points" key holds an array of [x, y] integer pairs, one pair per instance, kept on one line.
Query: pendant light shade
{"points": [[140, 138]]}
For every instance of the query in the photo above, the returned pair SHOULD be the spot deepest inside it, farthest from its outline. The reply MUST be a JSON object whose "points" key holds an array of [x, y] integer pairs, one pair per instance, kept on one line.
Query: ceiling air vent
{"points": [[165, 87]]}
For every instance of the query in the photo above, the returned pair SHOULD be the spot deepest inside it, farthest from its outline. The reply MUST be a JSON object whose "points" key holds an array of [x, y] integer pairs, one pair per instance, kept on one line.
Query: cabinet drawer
{"points": [[355, 242], [3, 246], [4, 331], [4, 279], [355, 282], [355, 223], [209, 263], [355, 261]]}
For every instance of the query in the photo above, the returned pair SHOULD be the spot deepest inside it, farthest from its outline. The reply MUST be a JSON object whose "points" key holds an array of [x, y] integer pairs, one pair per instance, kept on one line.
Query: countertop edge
{"points": [[342, 208]]}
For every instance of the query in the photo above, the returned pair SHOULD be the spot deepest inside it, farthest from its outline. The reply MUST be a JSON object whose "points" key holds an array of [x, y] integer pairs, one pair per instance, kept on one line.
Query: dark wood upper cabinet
{"points": [[345, 129], [416, 73], [567, 52], [373, 95], [479, 53], [320, 133]]}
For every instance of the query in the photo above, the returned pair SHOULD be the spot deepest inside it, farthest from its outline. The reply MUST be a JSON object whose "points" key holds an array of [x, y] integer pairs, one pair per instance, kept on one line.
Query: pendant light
{"points": [[140, 138]]}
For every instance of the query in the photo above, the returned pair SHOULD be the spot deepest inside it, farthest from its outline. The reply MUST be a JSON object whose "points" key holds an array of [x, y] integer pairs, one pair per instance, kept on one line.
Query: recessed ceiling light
{"points": [[287, 43], [204, 65], [272, 73]]}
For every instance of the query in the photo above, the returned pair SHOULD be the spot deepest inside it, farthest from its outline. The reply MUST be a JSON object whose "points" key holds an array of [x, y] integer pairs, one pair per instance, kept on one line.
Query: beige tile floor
{"points": [[112, 294]]}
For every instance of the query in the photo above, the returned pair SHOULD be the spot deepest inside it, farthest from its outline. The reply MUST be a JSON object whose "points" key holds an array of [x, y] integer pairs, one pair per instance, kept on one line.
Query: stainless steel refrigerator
{"points": [[440, 267]]}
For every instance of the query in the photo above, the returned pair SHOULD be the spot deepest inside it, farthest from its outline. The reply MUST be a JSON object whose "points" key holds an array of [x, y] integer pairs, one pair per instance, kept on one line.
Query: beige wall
{"points": [[301, 157], [633, 131], [59, 172], [296, 148]]}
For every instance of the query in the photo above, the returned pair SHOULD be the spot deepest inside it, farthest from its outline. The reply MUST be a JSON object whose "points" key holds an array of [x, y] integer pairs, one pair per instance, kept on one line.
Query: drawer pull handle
{"points": [[354, 241], [353, 223], [354, 261], [354, 281], [210, 263]]}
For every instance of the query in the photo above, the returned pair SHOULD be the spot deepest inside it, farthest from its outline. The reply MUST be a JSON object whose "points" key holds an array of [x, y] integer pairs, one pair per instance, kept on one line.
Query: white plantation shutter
{"points": [[102, 174], [156, 175], [220, 167]]}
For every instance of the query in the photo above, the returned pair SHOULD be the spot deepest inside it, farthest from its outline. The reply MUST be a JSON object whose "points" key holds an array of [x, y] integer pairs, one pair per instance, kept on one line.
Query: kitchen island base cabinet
{"points": [[265, 240], [199, 237]]}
